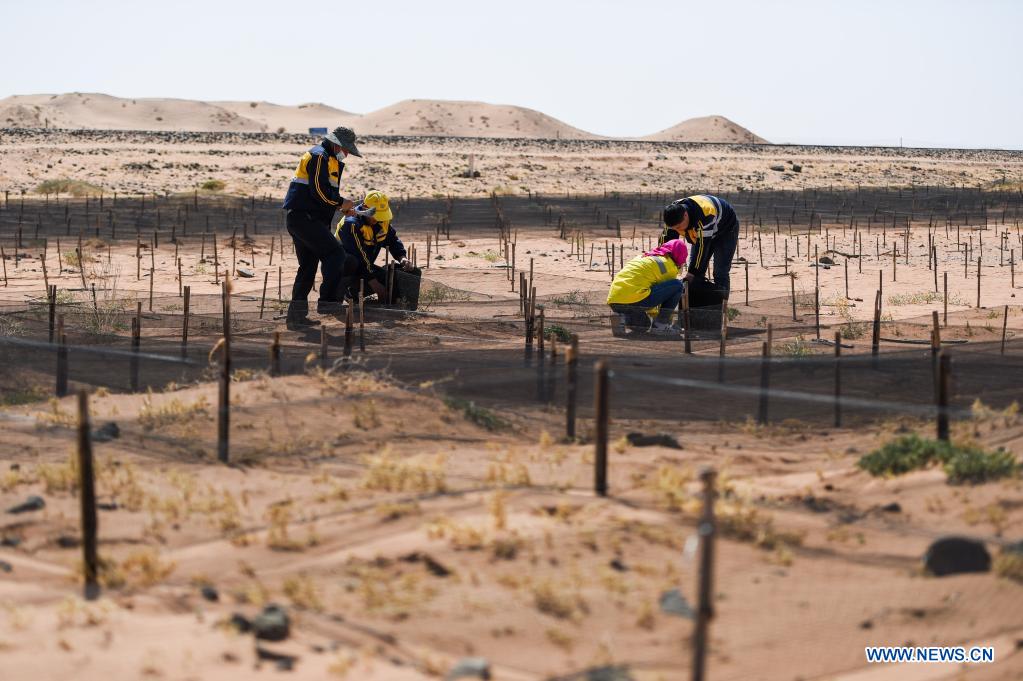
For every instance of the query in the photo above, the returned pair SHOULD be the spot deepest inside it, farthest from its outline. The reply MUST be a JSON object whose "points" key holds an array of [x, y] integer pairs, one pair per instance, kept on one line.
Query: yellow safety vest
{"points": [[633, 283]]}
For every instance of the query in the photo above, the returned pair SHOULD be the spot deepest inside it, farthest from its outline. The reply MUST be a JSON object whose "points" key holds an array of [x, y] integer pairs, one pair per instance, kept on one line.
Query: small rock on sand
{"points": [[33, 503], [956, 555]]}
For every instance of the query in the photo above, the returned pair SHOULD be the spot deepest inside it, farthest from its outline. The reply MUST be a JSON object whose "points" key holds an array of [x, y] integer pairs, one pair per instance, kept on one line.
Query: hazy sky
{"points": [[853, 72]]}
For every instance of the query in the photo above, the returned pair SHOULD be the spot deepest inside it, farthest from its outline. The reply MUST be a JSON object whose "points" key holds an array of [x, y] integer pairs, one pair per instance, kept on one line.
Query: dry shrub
{"points": [[461, 536], [302, 592], [387, 473], [175, 411], [560, 639], [515, 474], [1009, 564], [558, 603], [141, 568], [670, 485], [56, 417], [277, 535]]}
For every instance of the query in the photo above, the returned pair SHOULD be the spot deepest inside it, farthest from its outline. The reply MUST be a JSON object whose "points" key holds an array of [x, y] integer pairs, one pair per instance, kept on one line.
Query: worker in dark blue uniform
{"points": [[363, 235], [313, 197], [710, 224]]}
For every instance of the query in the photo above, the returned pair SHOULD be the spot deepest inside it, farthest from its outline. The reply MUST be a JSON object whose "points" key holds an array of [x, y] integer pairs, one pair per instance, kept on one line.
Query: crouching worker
{"points": [[363, 235], [646, 283], [708, 223]]}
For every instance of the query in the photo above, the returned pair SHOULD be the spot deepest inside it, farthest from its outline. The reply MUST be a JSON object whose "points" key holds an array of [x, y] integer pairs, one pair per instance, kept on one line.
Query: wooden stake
{"points": [[705, 585], [838, 379], [362, 316], [571, 386], [262, 299], [184, 322], [747, 282], [765, 378], [275, 354], [724, 328], [348, 330], [62, 358], [224, 394], [600, 409], [944, 319], [1005, 324], [875, 342], [792, 283], [87, 496], [944, 371]]}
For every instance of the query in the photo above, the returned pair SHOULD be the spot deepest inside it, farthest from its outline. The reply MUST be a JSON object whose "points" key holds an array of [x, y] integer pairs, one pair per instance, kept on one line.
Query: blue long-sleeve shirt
{"points": [[315, 186], [363, 241]]}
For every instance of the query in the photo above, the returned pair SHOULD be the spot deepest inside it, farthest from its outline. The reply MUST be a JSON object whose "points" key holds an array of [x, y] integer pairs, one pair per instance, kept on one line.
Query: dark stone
{"points": [[956, 555], [825, 260], [241, 623], [674, 603], [107, 506], [818, 505], [1016, 548], [656, 440], [617, 564], [796, 168], [272, 624], [245, 272], [5, 566], [606, 673], [470, 667], [33, 503], [12, 542], [436, 568], [893, 507], [779, 169], [66, 541], [866, 624], [107, 432], [283, 662], [209, 593]]}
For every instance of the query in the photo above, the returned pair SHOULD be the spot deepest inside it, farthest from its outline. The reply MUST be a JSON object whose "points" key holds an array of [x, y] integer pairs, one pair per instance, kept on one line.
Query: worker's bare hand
{"points": [[347, 205], [406, 264]]}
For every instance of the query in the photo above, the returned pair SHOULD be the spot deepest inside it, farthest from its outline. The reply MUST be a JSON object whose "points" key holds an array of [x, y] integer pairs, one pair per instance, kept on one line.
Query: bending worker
{"points": [[708, 223], [312, 198], [646, 283], [362, 236]]}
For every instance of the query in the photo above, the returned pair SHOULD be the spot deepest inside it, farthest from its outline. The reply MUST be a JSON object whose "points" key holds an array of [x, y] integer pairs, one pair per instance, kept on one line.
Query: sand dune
{"points": [[103, 112], [465, 119], [411, 117], [707, 129], [275, 117]]}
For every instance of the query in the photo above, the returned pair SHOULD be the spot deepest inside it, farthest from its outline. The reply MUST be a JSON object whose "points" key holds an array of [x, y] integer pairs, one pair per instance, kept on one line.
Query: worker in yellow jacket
{"points": [[648, 282]]}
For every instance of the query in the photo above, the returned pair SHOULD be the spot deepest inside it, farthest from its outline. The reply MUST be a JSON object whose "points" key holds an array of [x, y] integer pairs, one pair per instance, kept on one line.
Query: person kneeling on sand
{"points": [[646, 283], [362, 236]]}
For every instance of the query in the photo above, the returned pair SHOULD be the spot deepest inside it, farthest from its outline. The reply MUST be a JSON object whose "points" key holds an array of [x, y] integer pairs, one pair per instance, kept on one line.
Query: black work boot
{"points": [[298, 316], [334, 308]]}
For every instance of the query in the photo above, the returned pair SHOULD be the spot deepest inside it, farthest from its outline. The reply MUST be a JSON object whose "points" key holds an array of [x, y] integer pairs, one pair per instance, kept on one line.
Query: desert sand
{"points": [[403, 530]]}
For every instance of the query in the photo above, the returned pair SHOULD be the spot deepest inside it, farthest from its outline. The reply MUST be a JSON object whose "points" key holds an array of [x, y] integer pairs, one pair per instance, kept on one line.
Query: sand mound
{"points": [[103, 112], [296, 119], [409, 117], [465, 119], [707, 129]]}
